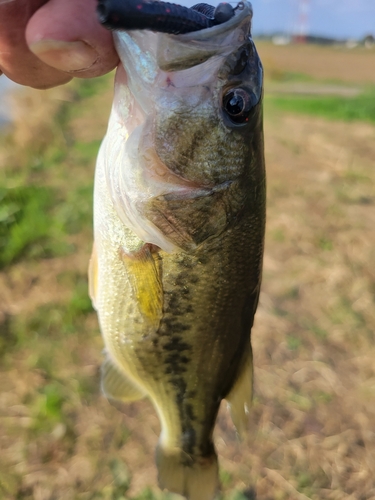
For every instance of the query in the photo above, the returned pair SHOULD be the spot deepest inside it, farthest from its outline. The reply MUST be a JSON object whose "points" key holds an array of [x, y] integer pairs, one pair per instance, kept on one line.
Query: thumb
{"points": [[16, 61], [66, 35]]}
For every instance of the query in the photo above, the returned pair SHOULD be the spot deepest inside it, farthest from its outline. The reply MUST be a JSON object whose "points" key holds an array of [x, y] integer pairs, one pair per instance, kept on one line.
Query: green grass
{"points": [[359, 108], [293, 343], [36, 221], [47, 324], [89, 88], [27, 226], [282, 76], [43, 202]]}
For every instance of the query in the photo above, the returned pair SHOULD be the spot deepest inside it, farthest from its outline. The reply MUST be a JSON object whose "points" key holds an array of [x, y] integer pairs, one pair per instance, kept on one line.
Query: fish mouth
{"points": [[178, 52], [244, 11], [143, 53]]}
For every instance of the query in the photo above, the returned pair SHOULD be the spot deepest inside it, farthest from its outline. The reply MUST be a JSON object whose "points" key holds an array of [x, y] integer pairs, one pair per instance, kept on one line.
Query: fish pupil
{"points": [[235, 104]]}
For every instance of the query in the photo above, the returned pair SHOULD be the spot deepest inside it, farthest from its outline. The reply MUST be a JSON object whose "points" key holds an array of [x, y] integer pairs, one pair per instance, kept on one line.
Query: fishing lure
{"points": [[163, 17]]}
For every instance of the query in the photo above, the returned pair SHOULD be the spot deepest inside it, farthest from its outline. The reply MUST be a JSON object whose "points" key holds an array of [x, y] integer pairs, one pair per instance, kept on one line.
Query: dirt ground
{"points": [[323, 63], [312, 425]]}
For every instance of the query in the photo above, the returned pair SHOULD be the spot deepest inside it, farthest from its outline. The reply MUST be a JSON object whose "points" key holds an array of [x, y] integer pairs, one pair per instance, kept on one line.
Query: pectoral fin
{"points": [[116, 385], [239, 398], [144, 272]]}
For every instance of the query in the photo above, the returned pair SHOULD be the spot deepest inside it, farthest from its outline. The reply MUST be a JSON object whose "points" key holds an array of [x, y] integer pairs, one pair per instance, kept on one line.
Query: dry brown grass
{"points": [[312, 426], [324, 63], [314, 335]]}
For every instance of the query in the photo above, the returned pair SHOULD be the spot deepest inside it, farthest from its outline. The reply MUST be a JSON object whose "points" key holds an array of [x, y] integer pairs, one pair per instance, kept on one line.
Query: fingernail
{"points": [[65, 56]]}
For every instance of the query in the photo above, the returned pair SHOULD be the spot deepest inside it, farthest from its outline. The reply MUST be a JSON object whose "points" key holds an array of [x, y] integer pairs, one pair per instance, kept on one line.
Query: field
{"points": [[312, 424]]}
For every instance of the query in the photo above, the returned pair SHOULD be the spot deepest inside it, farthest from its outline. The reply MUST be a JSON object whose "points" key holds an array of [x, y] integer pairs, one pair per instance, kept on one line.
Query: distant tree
{"points": [[369, 41]]}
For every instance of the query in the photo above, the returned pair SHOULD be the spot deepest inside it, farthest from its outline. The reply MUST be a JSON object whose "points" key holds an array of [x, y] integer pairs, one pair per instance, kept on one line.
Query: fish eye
{"points": [[238, 103]]}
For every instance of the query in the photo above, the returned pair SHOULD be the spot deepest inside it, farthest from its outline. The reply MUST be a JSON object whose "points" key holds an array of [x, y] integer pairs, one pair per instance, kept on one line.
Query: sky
{"points": [[332, 18]]}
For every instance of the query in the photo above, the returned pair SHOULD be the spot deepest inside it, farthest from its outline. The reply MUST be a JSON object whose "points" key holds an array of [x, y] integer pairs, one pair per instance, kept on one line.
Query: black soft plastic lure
{"points": [[163, 17]]}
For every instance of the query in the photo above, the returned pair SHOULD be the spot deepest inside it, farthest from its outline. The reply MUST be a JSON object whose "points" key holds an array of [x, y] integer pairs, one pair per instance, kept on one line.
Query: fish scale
{"points": [[179, 216]]}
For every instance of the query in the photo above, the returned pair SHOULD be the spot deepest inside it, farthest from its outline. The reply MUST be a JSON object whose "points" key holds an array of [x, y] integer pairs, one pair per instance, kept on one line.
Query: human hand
{"points": [[44, 43]]}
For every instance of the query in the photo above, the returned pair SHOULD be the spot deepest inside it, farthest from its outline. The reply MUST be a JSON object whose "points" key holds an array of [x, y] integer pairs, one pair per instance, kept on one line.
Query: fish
{"points": [[179, 221]]}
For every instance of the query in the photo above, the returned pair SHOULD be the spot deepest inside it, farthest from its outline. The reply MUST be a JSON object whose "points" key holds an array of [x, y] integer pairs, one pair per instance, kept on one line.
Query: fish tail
{"points": [[196, 479]]}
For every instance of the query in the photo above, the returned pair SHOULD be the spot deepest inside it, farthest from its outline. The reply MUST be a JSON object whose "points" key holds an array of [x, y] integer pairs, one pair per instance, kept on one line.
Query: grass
{"points": [[360, 108], [39, 206], [311, 425], [28, 228]]}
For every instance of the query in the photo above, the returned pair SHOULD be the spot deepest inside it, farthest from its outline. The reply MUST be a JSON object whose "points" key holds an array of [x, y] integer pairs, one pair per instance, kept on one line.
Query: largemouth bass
{"points": [[179, 217]]}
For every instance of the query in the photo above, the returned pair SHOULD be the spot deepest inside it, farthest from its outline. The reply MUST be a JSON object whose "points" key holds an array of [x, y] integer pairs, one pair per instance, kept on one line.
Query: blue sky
{"points": [[335, 18]]}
